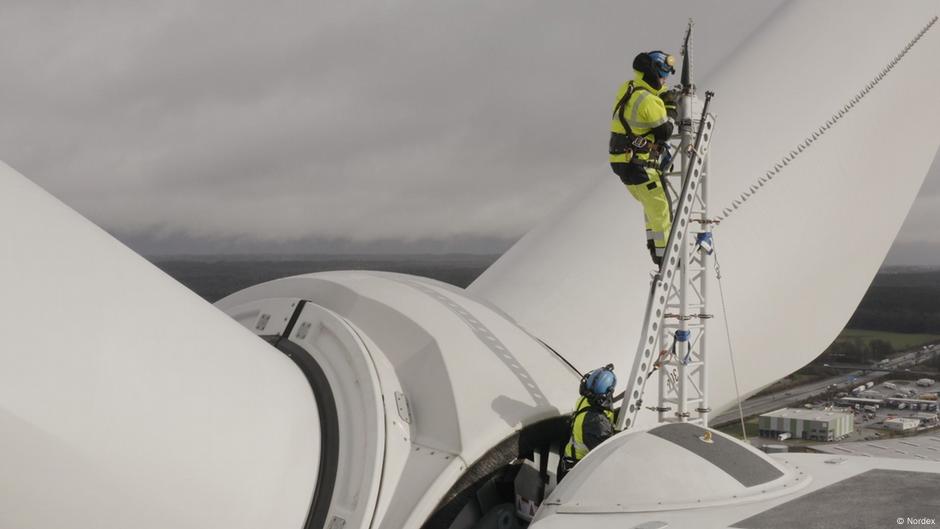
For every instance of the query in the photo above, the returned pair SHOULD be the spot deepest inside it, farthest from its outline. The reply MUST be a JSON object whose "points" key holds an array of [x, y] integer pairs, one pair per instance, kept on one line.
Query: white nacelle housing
{"points": [[425, 381]]}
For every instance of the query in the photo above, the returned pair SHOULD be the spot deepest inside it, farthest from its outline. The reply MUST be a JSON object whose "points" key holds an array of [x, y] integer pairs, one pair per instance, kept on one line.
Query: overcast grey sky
{"points": [[301, 127]]}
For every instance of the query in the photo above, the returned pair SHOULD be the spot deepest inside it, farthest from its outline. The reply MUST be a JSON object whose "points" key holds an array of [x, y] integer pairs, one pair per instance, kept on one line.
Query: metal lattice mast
{"points": [[674, 330], [682, 369]]}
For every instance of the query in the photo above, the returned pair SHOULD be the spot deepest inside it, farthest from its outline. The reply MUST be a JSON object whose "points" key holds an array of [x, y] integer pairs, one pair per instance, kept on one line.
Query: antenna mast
{"points": [[687, 86]]}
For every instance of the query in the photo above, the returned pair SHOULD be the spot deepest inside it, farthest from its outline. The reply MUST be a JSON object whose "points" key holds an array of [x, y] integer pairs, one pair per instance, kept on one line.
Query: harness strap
{"points": [[622, 105], [645, 163]]}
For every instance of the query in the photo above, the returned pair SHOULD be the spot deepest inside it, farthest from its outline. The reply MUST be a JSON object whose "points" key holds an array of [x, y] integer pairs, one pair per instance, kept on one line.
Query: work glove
{"points": [[671, 100], [666, 159]]}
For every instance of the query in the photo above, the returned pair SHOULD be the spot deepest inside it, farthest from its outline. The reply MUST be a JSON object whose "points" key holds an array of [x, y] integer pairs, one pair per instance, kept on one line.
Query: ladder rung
{"points": [[688, 400]]}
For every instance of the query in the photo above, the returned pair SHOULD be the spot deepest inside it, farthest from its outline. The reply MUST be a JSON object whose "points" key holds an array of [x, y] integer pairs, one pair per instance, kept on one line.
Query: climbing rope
{"points": [[734, 371]]}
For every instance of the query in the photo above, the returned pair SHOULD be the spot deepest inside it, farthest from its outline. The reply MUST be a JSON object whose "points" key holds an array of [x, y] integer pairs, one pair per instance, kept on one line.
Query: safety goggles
{"points": [[664, 63], [666, 68]]}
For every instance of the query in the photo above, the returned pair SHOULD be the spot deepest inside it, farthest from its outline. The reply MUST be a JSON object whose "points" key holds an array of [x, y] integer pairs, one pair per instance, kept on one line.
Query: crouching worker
{"points": [[593, 419]]}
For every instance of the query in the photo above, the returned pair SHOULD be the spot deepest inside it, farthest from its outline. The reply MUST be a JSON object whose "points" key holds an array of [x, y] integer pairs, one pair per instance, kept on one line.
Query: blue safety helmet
{"points": [[663, 63], [601, 381]]}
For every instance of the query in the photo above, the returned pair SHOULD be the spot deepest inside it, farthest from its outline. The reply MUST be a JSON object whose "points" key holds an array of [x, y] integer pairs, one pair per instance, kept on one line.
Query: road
{"points": [[789, 397]]}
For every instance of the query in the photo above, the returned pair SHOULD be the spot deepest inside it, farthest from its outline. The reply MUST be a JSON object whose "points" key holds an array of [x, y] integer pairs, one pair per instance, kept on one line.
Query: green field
{"points": [[900, 341]]}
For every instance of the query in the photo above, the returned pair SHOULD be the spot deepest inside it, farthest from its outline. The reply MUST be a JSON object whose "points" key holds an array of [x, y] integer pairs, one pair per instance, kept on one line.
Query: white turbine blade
{"points": [[126, 400], [798, 255]]}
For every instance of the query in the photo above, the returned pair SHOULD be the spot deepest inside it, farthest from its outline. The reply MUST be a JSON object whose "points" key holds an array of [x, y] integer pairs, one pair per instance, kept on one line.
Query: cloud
{"points": [[299, 121]]}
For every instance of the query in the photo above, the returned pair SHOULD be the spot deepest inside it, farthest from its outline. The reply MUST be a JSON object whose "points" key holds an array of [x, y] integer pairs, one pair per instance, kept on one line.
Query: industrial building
{"points": [[901, 424], [800, 423], [927, 419]]}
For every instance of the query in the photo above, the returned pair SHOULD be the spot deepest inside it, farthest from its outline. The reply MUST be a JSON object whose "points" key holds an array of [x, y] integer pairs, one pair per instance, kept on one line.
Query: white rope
{"points": [[734, 371]]}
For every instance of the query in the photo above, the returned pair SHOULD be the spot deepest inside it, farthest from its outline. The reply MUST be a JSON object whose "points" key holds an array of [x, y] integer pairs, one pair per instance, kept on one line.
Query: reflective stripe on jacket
{"points": [[643, 112], [577, 446]]}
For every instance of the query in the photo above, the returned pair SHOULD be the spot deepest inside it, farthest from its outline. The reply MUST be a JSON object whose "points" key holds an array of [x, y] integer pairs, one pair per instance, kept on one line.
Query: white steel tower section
{"points": [[674, 330]]}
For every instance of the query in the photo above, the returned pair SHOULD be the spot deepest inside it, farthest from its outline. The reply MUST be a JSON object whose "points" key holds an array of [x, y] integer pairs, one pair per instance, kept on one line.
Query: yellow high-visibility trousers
{"points": [[656, 210]]}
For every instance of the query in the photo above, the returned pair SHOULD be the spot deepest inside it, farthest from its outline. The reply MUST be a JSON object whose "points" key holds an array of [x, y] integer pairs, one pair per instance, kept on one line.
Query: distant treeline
{"points": [[856, 351], [906, 301], [214, 277], [901, 302]]}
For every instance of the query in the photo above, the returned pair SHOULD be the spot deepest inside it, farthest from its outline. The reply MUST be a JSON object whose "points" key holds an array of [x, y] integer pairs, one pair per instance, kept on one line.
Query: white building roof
{"points": [[903, 420], [804, 414]]}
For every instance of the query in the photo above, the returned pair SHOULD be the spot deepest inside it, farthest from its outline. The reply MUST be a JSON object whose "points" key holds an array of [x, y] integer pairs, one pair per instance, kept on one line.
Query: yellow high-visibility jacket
{"points": [[589, 429], [643, 112]]}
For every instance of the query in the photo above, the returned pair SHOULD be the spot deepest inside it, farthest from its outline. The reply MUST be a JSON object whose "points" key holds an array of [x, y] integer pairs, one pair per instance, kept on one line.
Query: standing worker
{"points": [[641, 125], [593, 419]]}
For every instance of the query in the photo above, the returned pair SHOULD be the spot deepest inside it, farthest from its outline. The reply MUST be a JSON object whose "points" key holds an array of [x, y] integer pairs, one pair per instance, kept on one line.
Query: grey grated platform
{"points": [[737, 461]]}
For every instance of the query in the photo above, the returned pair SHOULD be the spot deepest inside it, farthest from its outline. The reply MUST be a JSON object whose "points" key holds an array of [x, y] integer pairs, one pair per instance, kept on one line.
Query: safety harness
{"points": [[630, 143]]}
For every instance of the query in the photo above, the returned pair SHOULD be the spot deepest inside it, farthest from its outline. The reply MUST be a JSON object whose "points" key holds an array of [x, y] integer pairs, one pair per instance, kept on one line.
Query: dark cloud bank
{"points": [[302, 127]]}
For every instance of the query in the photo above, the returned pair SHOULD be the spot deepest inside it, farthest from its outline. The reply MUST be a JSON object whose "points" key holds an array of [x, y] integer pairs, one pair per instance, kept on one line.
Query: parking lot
{"points": [[884, 400]]}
